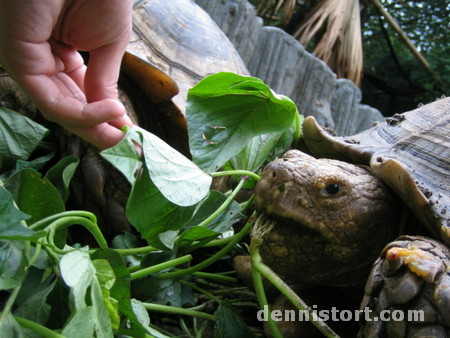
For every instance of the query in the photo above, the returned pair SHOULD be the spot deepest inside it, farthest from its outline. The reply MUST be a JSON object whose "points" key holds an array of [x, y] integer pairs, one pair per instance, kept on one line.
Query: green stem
{"points": [[9, 304], [184, 327], [209, 261], [39, 329], [81, 213], [178, 311], [273, 278], [262, 299], [236, 172], [133, 268], [200, 290], [35, 256], [135, 251], [215, 276], [224, 205], [247, 204], [158, 267], [68, 221], [220, 241]]}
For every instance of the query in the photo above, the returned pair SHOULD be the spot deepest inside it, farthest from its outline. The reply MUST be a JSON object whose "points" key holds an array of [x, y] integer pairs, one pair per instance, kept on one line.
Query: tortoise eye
{"points": [[332, 189]]}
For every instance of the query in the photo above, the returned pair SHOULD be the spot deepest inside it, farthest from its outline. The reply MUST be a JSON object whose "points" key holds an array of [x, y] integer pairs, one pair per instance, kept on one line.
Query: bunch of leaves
{"points": [[56, 288]]}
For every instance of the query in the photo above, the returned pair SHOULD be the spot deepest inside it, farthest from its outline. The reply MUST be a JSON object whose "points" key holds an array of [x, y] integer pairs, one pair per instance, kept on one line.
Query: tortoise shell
{"points": [[183, 41], [410, 152]]}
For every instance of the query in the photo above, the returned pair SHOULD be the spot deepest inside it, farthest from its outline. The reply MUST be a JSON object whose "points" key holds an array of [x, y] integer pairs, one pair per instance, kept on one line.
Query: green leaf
{"points": [[13, 263], [19, 136], [168, 238], [223, 222], [180, 180], [120, 291], [196, 233], [10, 327], [124, 155], [61, 174], [230, 324], [36, 164], [144, 319], [161, 291], [151, 213], [225, 111], [262, 148], [11, 219], [255, 152], [107, 278], [34, 195], [35, 307], [90, 316], [59, 300]]}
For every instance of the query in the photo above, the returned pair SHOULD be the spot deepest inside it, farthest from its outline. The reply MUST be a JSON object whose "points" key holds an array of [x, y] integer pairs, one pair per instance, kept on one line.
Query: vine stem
{"points": [[158, 267], [220, 241], [236, 172], [210, 260], [39, 329], [262, 300], [71, 220], [215, 276], [224, 205], [81, 213], [9, 304], [273, 278], [200, 290], [135, 251], [178, 310]]}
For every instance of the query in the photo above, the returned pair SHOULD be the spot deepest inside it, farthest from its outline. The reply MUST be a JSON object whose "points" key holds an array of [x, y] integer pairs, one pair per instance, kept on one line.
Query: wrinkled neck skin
{"points": [[333, 219]]}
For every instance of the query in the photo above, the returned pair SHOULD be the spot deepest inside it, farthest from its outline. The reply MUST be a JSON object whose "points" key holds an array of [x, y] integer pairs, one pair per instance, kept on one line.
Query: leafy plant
{"points": [[57, 288]]}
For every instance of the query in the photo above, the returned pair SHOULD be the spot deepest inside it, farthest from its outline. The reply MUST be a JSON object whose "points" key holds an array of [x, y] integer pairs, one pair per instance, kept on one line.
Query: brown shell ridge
{"points": [[410, 152], [398, 177], [158, 86], [321, 144]]}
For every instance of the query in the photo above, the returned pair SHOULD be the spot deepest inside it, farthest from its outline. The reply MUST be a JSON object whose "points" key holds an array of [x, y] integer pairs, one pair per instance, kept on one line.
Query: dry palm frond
{"points": [[288, 11], [340, 45], [268, 9]]}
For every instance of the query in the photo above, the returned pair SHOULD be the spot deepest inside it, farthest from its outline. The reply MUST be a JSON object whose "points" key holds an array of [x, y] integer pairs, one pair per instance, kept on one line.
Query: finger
{"points": [[72, 61], [119, 123], [102, 136], [103, 70], [61, 101]]}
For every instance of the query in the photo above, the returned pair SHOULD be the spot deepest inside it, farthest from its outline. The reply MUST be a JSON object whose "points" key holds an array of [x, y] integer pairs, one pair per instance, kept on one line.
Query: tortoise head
{"points": [[332, 219]]}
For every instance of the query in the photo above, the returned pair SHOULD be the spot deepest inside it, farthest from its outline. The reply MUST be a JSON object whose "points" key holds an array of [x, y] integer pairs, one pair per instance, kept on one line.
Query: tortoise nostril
{"points": [[274, 174]]}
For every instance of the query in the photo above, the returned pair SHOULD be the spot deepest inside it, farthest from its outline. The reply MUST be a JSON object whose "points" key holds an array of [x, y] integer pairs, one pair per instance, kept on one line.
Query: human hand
{"points": [[39, 40]]}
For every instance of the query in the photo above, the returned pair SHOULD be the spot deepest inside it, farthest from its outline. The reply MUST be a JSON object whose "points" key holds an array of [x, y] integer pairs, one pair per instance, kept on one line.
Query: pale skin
{"points": [[39, 40]]}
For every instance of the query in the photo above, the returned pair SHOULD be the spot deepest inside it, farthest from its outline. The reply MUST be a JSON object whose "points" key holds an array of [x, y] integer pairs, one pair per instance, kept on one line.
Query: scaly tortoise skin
{"points": [[174, 45], [332, 218]]}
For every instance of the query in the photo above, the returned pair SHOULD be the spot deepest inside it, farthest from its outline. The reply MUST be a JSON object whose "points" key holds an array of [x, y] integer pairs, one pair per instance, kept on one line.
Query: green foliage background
{"points": [[394, 80], [405, 82]]}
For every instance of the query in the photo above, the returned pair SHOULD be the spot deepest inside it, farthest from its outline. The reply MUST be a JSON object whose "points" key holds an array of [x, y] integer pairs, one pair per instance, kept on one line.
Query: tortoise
{"points": [[174, 45], [334, 214]]}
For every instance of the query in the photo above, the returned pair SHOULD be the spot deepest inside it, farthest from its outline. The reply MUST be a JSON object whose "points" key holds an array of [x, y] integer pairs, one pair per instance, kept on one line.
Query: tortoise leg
{"points": [[408, 291]]}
